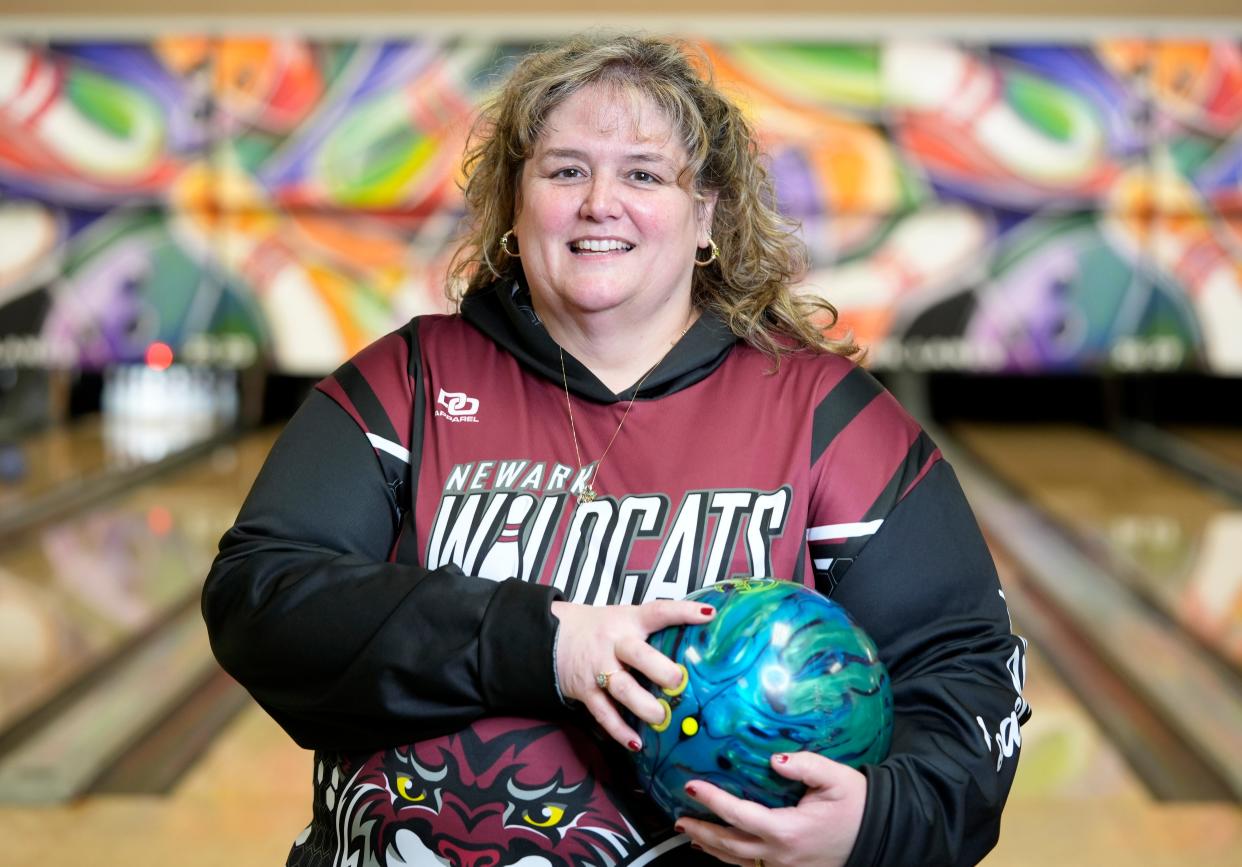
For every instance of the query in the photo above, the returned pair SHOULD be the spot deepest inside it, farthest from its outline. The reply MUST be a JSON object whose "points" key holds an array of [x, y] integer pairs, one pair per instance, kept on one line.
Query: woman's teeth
{"points": [[599, 246]]}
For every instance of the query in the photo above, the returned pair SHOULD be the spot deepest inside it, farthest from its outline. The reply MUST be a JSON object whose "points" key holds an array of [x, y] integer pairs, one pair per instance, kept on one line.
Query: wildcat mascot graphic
{"points": [[506, 791]]}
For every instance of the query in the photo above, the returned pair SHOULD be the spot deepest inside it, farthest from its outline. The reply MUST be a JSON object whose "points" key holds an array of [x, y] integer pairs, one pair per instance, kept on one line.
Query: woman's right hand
{"points": [[612, 640]]}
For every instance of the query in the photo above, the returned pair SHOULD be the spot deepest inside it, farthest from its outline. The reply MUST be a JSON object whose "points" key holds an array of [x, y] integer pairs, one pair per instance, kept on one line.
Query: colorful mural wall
{"points": [[1034, 207]]}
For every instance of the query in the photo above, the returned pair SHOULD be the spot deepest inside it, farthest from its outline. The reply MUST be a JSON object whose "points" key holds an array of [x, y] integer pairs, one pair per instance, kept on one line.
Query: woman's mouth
{"points": [[589, 246]]}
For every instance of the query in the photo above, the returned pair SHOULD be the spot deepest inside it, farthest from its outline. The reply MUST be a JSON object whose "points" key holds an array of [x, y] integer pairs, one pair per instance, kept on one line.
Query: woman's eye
{"points": [[568, 173], [644, 177]]}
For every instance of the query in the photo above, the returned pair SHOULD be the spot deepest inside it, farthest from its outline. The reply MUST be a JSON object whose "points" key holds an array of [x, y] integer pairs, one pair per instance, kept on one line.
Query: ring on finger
{"points": [[758, 862], [601, 679]]}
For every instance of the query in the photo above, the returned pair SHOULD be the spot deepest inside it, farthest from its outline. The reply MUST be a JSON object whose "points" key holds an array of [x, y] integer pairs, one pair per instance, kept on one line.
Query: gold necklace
{"points": [[588, 494]]}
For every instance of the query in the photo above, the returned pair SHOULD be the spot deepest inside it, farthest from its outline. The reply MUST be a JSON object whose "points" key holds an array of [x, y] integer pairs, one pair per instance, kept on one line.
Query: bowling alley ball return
{"points": [[779, 669]]}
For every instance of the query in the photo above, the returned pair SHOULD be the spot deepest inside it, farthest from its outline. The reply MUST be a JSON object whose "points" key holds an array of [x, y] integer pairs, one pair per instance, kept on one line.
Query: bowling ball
{"points": [[779, 669]]}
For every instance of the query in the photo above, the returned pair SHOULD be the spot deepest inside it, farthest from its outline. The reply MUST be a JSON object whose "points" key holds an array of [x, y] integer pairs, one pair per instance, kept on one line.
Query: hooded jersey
{"points": [[385, 593]]}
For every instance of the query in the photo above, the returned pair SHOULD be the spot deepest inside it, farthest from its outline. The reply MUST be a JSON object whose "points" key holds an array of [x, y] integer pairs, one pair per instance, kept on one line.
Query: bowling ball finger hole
{"points": [[681, 687], [668, 717]]}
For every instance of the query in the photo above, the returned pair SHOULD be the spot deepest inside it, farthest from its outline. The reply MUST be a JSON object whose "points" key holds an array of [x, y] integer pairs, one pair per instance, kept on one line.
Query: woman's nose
{"points": [[602, 201]]}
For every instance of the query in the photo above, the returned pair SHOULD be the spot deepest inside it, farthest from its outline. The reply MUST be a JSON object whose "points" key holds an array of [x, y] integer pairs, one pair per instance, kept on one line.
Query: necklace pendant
{"points": [[587, 494]]}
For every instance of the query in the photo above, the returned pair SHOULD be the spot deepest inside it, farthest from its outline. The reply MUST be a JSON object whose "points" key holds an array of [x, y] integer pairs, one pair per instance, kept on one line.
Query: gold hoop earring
{"points": [[703, 263], [504, 245]]}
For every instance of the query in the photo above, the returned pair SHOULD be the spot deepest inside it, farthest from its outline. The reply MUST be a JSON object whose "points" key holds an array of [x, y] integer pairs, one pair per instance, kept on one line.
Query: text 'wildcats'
{"points": [[505, 519]]}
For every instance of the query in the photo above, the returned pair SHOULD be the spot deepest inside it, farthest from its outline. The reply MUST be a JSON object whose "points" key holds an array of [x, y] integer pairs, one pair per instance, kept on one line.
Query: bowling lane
{"points": [[1175, 541], [1075, 801], [1065, 755], [245, 801], [74, 592], [53, 458], [152, 417], [59, 467], [1222, 443]]}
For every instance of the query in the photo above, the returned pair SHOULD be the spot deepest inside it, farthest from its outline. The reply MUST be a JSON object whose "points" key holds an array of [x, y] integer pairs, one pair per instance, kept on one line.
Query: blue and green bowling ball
{"points": [[779, 669]]}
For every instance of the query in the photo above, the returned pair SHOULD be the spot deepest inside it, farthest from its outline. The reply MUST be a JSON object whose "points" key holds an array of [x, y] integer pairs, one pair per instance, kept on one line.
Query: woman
{"points": [[457, 548]]}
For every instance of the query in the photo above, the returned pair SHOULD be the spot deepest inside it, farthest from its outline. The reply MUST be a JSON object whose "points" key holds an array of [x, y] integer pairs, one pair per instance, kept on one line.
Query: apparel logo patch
{"points": [[458, 406]]}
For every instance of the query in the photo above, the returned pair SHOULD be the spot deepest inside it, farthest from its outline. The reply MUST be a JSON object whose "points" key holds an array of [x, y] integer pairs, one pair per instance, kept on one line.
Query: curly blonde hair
{"points": [[749, 285]]}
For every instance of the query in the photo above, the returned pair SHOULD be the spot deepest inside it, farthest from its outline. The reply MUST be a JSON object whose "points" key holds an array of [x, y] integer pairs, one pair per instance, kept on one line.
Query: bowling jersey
{"points": [[385, 592]]}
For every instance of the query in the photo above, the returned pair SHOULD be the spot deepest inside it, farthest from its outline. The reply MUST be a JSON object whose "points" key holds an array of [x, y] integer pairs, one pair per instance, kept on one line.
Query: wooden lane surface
{"points": [[1225, 444], [243, 805], [1180, 542], [1105, 832], [1065, 754], [64, 468], [1065, 757], [88, 448], [58, 456], [76, 590]]}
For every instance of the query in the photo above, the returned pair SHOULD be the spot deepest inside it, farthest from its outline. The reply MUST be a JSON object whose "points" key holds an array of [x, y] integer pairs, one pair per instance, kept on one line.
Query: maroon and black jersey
{"points": [[385, 593]]}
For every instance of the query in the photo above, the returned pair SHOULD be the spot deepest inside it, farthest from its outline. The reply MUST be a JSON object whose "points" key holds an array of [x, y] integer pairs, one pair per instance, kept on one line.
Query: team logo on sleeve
{"points": [[457, 406]]}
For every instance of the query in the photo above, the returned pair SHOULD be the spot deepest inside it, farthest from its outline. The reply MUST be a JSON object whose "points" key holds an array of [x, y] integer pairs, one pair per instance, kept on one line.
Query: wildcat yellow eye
{"points": [[546, 817], [403, 789]]}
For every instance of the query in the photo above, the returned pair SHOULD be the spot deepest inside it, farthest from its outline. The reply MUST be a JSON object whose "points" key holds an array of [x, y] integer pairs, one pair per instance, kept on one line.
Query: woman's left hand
{"points": [[819, 832]]}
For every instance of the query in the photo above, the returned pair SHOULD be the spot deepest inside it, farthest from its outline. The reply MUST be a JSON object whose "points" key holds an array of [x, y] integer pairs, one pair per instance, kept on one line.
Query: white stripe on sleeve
{"points": [[842, 531], [394, 449]]}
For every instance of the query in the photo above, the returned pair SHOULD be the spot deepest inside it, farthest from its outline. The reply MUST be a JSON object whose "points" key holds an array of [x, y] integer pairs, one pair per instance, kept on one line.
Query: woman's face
{"points": [[602, 223]]}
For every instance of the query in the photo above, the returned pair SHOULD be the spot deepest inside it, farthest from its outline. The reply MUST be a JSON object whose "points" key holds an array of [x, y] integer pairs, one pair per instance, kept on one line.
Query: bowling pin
{"points": [[928, 255], [504, 559], [964, 97], [29, 255]]}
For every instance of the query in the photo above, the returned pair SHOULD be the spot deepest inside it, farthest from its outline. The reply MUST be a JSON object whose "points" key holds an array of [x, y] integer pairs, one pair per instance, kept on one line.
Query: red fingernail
{"points": [[696, 846], [707, 609], [690, 790], [635, 746], [680, 829], [781, 758]]}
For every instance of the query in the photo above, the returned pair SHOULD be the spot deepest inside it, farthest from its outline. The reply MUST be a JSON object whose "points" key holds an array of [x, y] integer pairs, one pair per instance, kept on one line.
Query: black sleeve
{"points": [[926, 590], [346, 650]]}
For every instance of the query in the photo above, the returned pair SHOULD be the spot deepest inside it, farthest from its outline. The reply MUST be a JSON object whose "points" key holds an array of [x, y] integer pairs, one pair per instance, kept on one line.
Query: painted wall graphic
{"points": [[1001, 206]]}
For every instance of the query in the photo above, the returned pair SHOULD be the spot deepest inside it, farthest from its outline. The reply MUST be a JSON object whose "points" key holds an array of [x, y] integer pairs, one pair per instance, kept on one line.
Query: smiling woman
{"points": [[610, 139], [608, 226], [440, 585]]}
